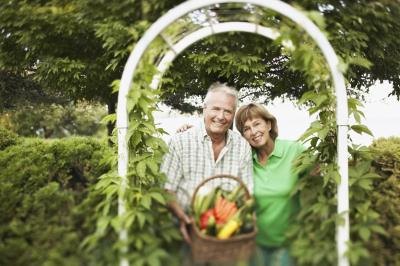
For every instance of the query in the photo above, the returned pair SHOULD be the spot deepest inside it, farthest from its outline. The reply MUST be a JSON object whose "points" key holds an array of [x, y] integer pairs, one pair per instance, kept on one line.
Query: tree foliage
{"points": [[256, 66], [364, 32], [56, 121], [75, 49], [361, 32], [69, 49], [52, 45], [16, 91]]}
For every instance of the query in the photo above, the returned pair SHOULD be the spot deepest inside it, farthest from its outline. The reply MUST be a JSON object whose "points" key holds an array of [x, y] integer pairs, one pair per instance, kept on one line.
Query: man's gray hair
{"points": [[221, 87]]}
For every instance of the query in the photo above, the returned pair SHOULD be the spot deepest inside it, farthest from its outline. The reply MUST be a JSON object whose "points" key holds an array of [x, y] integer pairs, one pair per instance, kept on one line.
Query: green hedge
{"points": [[45, 213], [385, 249], [7, 138]]}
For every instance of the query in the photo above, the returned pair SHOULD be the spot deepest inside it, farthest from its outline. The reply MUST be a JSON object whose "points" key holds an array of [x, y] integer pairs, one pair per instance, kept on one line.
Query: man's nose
{"points": [[220, 115]]}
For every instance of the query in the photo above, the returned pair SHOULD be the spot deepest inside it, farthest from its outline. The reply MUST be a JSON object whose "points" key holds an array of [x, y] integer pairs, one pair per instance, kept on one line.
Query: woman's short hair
{"points": [[252, 111], [221, 87]]}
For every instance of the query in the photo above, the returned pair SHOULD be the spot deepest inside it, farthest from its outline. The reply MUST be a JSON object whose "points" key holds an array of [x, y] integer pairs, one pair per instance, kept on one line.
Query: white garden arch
{"points": [[215, 27]]}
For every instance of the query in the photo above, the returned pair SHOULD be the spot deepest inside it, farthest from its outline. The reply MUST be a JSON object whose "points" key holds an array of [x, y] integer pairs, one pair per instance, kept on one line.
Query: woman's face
{"points": [[256, 132]]}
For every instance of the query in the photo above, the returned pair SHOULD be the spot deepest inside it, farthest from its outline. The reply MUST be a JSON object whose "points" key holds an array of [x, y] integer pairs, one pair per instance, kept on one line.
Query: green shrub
{"points": [[45, 213], [385, 249], [7, 138]]}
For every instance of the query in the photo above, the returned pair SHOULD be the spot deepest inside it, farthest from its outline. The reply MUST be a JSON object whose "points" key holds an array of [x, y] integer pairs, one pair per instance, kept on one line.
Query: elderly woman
{"points": [[274, 181]]}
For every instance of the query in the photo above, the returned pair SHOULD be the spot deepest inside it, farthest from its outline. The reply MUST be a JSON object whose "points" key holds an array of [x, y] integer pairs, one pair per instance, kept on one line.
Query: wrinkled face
{"points": [[219, 112], [256, 132]]}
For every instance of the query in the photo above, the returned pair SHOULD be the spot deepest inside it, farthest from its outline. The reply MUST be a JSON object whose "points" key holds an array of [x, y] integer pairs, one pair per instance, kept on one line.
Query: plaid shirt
{"points": [[191, 159]]}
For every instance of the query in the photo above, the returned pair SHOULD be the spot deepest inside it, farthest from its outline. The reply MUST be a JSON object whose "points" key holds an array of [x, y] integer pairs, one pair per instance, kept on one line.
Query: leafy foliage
{"points": [[257, 65], [45, 213], [312, 236], [152, 234], [51, 121], [71, 49], [66, 51], [361, 32], [16, 91], [74, 50], [7, 138], [384, 248]]}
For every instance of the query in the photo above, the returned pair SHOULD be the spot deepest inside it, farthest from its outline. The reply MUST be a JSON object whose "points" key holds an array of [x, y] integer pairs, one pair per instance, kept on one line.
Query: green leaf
{"points": [[115, 85], [146, 201], [158, 197], [139, 242], [133, 98], [323, 133], [154, 167], [153, 261], [372, 175], [102, 225], [111, 118], [342, 66], [141, 168], [360, 61], [314, 127], [307, 96], [361, 129], [365, 233], [141, 219], [365, 184], [320, 99], [317, 17], [379, 229], [144, 105]]}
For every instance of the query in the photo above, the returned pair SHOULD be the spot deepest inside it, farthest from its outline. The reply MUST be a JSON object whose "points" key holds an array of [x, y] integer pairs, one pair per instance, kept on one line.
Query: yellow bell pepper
{"points": [[229, 228]]}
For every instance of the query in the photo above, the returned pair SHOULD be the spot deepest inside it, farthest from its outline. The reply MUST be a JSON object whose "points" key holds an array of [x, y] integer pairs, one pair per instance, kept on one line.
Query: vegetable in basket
{"points": [[236, 221], [223, 213]]}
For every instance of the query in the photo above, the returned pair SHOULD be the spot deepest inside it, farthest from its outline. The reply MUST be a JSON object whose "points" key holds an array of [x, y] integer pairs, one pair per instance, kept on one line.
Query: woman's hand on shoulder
{"points": [[183, 128]]}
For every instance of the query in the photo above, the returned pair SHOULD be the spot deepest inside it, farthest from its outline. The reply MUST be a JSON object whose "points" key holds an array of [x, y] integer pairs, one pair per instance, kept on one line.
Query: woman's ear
{"points": [[269, 125]]}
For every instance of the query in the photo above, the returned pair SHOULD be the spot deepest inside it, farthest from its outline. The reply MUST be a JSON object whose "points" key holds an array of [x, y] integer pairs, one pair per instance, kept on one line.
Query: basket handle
{"points": [[240, 181]]}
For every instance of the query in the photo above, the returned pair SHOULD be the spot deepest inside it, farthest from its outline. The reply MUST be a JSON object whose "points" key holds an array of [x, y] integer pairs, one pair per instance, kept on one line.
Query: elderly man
{"points": [[205, 151]]}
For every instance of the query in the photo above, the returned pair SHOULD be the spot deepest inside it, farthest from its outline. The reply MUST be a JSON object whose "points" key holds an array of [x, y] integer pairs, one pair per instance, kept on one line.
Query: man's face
{"points": [[219, 113]]}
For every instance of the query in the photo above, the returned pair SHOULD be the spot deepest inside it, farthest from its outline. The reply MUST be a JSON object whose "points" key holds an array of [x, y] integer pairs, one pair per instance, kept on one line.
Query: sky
{"points": [[382, 117]]}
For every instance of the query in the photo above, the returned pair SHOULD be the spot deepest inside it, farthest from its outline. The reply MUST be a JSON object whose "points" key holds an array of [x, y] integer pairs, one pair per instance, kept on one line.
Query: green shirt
{"points": [[273, 184]]}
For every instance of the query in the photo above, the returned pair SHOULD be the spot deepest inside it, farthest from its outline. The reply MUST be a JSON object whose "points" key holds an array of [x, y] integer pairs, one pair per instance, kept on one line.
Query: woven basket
{"points": [[205, 248]]}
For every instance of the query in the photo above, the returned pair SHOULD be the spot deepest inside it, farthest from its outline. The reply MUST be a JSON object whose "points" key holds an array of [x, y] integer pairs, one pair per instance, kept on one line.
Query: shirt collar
{"points": [[278, 151]]}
